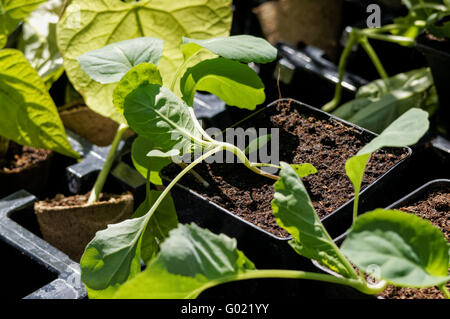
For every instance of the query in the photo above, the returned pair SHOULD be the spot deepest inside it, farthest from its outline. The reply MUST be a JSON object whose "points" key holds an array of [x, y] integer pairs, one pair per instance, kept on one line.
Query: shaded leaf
{"points": [[257, 143]]}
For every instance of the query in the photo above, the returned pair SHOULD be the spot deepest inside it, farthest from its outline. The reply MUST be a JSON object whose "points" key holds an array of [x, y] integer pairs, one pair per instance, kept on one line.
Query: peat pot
{"points": [[229, 195], [32, 268]]}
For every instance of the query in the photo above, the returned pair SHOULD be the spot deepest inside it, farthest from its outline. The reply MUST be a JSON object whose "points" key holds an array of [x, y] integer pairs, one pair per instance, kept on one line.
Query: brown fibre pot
{"points": [[26, 168], [90, 125], [316, 23], [69, 225]]}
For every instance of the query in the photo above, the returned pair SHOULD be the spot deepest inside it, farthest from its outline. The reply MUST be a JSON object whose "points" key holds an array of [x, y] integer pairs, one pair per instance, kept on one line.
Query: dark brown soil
{"points": [[77, 200], [325, 143], [20, 157], [435, 208], [437, 43]]}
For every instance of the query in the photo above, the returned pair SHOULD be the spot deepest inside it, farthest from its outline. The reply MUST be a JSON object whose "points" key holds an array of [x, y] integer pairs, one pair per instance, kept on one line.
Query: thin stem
{"points": [[232, 148], [444, 290], [352, 41], [178, 177], [294, 274], [374, 57], [101, 179], [388, 38]]}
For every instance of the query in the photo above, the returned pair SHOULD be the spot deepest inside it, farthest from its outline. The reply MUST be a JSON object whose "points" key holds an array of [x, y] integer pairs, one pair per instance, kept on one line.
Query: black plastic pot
{"points": [[265, 249], [420, 193], [32, 268], [439, 62]]}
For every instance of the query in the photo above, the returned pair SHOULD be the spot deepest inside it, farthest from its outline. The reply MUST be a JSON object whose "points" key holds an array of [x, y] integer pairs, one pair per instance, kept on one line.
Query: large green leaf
{"points": [[11, 13], [113, 256], [234, 83], [92, 24], [28, 115], [405, 249], [191, 260], [139, 150], [379, 103], [294, 212], [162, 222], [158, 115], [404, 131], [110, 63], [38, 40], [243, 48], [144, 73]]}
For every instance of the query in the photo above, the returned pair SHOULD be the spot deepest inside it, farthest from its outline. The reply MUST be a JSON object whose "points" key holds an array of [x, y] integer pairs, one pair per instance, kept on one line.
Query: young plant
{"points": [[167, 128], [379, 103], [391, 246]]}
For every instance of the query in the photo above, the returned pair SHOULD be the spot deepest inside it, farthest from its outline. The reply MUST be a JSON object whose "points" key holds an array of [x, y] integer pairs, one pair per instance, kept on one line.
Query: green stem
{"points": [[444, 290], [101, 179], [241, 155], [388, 38], [178, 177], [374, 57], [352, 41], [294, 274]]}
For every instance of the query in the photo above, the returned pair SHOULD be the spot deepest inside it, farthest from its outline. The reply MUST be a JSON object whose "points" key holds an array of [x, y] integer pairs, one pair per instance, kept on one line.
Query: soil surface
{"points": [[19, 158], [436, 209], [77, 200], [304, 138]]}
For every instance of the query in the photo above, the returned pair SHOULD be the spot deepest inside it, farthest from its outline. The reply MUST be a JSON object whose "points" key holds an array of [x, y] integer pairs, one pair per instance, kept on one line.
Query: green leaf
{"points": [[139, 150], [12, 12], [294, 212], [110, 63], [407, 250], [92, 24], [144, 73], [190, 261], [404, 131], [379, 103], [156, 114], [243, 48], [28, 115], [162, 222], [303, 170], [38, 41], [113, 256], [234, 83], [257, 143]]}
